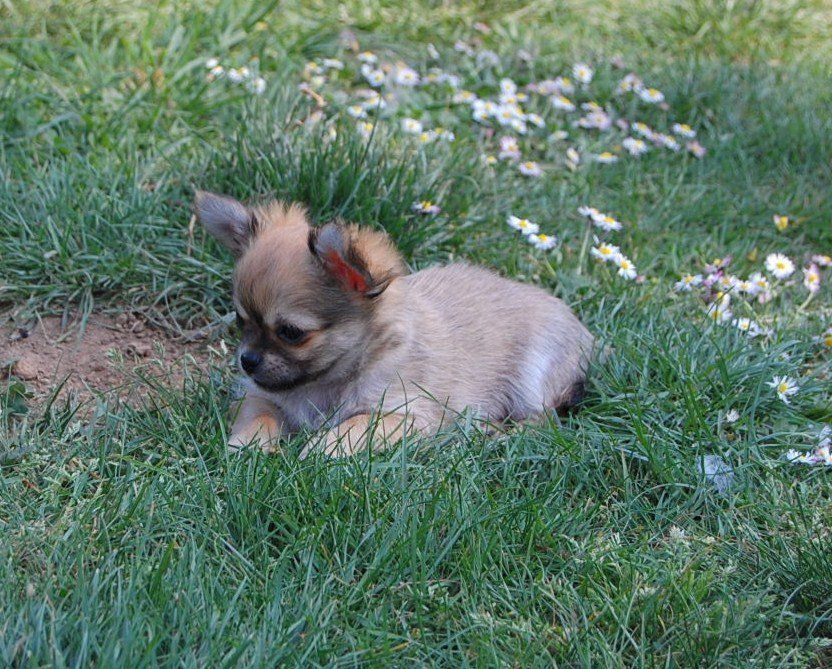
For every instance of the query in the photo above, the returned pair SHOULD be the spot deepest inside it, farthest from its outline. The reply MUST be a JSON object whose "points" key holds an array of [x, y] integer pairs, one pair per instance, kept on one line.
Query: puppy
{"points": [[336, 334]]}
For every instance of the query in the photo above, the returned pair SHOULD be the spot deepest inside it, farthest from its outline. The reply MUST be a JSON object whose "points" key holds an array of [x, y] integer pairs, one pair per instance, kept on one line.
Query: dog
{"points": [[338, 337]]}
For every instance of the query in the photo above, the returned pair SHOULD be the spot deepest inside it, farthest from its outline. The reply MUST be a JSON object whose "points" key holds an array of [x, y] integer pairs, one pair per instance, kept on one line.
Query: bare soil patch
{"points": [[106, 355]]}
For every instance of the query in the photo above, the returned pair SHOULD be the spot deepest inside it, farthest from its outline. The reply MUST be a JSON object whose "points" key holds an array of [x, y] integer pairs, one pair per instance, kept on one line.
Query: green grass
{"points": [[131, 538]]}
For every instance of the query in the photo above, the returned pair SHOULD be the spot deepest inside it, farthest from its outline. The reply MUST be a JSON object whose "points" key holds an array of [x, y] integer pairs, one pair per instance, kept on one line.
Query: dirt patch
{"points": [[106, 355]]}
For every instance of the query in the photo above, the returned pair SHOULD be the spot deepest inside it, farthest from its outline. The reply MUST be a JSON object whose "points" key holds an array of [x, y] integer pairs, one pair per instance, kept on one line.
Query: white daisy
{"points": [[543, 242], [643, 129], [784, 386], [356, 111], [524, 225], [822, 260], [509, 148], [760, 283], [426, 207], [683, 130], [583, 73], [535, 119], [696, 149], [211, 63], [374, 77], [626, 268], [746, 325], [650, 95], [606, 222], [365, 129], [589, 212], [563, 103], [411, 126], [635, 147], [368, 57], [530, 169], [779, 265], [257, 85], [732, 416], [572, 156], [606, 252], [332, 64], [405, 76], [688, 282]]}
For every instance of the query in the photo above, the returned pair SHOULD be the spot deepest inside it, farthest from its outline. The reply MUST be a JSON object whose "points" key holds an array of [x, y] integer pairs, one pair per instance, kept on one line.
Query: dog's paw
{"points": [[342, 441], [245, 440]]}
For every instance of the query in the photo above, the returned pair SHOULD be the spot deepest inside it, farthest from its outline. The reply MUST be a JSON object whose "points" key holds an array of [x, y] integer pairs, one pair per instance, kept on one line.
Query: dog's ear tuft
{"points": [[230, 222]]}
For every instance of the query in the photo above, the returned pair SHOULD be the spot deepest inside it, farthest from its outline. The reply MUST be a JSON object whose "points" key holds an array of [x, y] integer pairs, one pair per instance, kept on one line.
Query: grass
{"points": [[131, 538]]}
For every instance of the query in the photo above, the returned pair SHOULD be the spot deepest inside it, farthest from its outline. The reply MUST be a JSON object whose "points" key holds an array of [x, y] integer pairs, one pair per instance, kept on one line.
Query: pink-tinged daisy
{"points": [[530, 169], [524, 225], [606, 252], [543, 242], [696, 149], [822, 260], [683, 130], [811, 278], [509, 148], [784, 386], [688, 282], [426, 207], [779, 265]]}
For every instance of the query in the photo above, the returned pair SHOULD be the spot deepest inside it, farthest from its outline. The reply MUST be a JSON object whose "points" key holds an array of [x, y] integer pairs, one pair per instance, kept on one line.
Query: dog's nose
{"points": [[250, 360]]}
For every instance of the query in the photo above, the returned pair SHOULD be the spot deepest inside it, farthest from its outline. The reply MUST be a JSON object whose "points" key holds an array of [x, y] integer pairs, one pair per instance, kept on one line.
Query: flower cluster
{"points": [[608, 253], [244, 76], [531, 231]]}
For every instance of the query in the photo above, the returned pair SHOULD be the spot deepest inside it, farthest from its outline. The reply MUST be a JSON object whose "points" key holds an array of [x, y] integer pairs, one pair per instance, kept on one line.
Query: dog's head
{"points": [[306, 298]]}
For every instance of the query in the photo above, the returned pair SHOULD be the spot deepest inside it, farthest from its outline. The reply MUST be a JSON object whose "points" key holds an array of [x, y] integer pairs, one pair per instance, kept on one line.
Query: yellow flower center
{"points": [[782, 387]]}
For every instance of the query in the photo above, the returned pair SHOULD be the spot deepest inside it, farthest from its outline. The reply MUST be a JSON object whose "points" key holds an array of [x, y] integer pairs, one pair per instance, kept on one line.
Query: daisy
{"points": [[535, 119], [463, 47], [530, 169], [606, 158], [779, 265], [826, 338], [216, 72], [374, 77], [746, 286], [606, 252], [696, 149], [426, 207], [606, 222], [426, 136], [524, 225], [464, 97], [543, 242], [760, 282], [583, 73], [444, 135], [599, 120], [257, 85], [405, 76], [747, 326], [626, 268], [784, 386], [683, 130], [666, 141], [507, 87], [365, 129], [811, 278], [642, 129], [488, 58], [411, 126], [211, 63], [332, 64], [356, 111], [823, 261], [235, 76], [589, 212], [489, 160], [720, 311], [509, 148], [368, 57], [688, 282], [563, 103], [732, 416], [311, 68], [780, 222], [572, 156], [629, 83], [635, 147], [650, 95]]}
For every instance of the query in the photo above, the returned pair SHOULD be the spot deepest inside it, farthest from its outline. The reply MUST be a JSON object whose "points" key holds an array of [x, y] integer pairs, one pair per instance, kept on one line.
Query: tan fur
{"points": [[427, 347]]}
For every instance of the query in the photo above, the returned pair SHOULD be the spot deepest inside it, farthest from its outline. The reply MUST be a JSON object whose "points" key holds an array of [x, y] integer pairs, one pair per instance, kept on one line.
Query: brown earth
{"points": [[107, 355]]}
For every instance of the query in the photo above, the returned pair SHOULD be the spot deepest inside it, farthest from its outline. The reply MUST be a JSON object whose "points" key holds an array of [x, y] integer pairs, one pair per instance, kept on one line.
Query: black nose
{"points": [[250, 360]]}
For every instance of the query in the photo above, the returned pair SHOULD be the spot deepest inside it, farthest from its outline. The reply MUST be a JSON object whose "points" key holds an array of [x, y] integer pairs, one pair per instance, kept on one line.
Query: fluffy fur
{"points": [[337, 335]]}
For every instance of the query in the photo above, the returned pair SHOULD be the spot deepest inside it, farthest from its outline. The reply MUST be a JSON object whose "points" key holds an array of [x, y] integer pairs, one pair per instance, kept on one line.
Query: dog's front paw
{"points": [[342, 441], [246, 439]]}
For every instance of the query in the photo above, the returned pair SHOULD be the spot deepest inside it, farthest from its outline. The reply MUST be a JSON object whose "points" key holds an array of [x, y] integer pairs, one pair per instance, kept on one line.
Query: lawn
{"points": [[130, 537]]}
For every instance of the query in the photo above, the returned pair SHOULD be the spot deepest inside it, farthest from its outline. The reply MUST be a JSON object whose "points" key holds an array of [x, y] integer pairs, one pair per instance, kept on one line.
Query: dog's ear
{"points": [[361, 261], [230, 222]]}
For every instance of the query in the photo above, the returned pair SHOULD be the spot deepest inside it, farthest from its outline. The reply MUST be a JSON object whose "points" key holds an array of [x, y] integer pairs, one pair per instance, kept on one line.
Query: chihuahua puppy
{"points": [[336, 334]]}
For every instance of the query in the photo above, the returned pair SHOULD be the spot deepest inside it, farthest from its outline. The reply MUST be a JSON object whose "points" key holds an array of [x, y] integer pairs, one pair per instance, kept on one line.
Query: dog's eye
{"points": [[290, 334]]}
